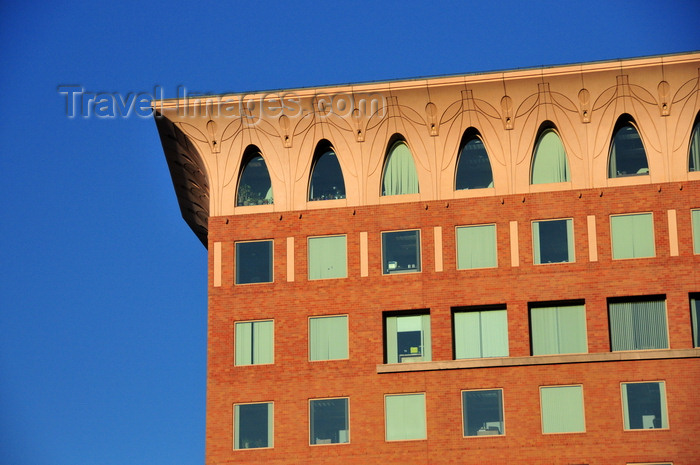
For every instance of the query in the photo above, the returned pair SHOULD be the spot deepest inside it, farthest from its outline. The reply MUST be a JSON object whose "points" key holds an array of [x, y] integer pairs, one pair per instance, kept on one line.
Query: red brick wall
{"points": [[292, 379]]}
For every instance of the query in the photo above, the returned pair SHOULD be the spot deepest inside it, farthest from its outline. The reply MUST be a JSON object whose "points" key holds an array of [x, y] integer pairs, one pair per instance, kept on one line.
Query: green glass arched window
{"points": [[549, 162], [254, 186], [327, 181], [694, 153], [400, 175], [627, 154], [473, 165]]}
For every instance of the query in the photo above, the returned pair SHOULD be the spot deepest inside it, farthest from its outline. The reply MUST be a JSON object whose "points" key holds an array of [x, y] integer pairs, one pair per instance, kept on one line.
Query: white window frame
{"points": [[347, 420], [583, 409], [235, 262], [419, 269], [571, 237], [558, 305], [503, 413], [271, 427], [272, 342], [612, 237], [347, 335], [386, 417], [663, 404], [633, 299], [495, 245], [696, 231], [308, 256], [480, 310]]}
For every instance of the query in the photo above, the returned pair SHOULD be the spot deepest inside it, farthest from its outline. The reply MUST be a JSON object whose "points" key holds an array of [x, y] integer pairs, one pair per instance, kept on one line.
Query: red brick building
{"points": [[489, 268]]}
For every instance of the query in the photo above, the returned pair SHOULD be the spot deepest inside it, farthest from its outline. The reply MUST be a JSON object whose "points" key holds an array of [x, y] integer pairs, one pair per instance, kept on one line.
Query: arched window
{"points": [[473, 165], [254, 187], [400, 175], [326, 177], [627, 155], [549, 162], [694, 153]]}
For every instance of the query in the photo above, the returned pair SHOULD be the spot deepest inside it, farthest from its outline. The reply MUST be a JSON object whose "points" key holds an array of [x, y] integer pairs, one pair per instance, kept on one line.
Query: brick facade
{"points": [[292, 380]]}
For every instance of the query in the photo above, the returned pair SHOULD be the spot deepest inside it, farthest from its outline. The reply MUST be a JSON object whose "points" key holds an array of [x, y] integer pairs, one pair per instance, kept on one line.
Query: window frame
{"points": [[347, 420], [583, 409], [612, 235], [639, 299], [663, 406], [308, 256], [570, 234], [425, 416], [323, 147], [478, 309], [695, 228], [464, 412], [271, 426], [545, 128], [549, 305], [418, 269], [469, 135], [394, 142], [235, 343], [694, 133], [426, 335], [347, 336], [495, 245], [236, 264], [622, 121], [249, 154], [694, 301]]}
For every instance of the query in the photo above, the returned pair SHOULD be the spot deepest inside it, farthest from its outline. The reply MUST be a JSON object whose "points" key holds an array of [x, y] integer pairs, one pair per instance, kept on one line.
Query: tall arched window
{"points": [[627, 155], [400, 175], [549, 162], [326, 177], [254, 187], [473, 165], [694, 152]]}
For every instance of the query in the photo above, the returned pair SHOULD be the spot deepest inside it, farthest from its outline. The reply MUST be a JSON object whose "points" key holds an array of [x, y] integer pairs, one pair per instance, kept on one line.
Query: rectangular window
{"points": [[638, 324], [558, 329], [695, 215], [632, 236], [254, 342], [644, 405], [562, 409], [328, 422], [328, 338], [252, 425], [253, 262], [695, 318], [482, 412], [476, 247], [328, 257], [553, 241], [480, 332], [405, 417], [401, 252], [408, 338]]}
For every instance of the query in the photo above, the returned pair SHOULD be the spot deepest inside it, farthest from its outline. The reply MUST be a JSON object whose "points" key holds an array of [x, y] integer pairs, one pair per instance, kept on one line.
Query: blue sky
{"points": [[103, 292]]}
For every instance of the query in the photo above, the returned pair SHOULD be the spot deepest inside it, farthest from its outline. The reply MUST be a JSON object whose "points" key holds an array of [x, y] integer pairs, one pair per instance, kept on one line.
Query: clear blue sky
{"points": [[103, 287]]}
